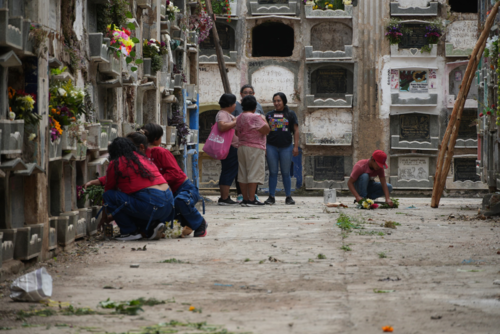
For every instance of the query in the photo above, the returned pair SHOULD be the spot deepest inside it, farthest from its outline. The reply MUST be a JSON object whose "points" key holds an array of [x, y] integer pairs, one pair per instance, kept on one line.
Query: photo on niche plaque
{"points": [[465, 170], [329, 168], [414, 127]]}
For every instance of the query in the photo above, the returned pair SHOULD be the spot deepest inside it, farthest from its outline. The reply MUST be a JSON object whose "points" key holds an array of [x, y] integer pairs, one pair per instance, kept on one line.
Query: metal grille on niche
{"points": [[207, 119], [329, 168], [414, 37], [224, 38], [414, 127], [467, 129], [465, 170]]}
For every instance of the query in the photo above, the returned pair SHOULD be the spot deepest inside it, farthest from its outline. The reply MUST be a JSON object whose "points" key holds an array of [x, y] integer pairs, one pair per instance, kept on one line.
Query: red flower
{"points": [[481, 115], [493, 106], [374, 206], [488, 113], [127, 31]]}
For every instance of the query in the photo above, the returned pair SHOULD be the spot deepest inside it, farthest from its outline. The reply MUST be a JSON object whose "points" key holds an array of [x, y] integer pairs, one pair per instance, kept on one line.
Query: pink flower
{"points": [[481, 115], [374, 206]]}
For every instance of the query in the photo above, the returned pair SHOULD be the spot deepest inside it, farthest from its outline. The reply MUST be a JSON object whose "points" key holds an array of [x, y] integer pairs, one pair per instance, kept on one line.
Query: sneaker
{"points": [[289, 200], [202, 230], [254, 203], [157, 232], [227, 201], [239, 199], [244, 203], [129, 237], [270, 201], [256, 197]]}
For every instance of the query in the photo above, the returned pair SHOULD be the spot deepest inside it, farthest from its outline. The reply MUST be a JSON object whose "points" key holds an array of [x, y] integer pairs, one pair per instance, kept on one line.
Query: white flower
{"points": [[62, 92], [347, 2], [152, 40], [31, 137], [73, 94], [12, 115], [366, 205]]}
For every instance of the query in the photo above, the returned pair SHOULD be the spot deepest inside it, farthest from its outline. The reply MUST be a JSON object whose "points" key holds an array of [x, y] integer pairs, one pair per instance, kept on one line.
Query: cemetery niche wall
{"points": [[415, 131], [414, 8], [412, 171], [413, 41], [330, 40], [455, 74], [327, 172], [227, 41], [269, 77], [274, 7], [330, 86], [461, 38], [463, 175], [272, 39], [327, 127], [467, 131]]}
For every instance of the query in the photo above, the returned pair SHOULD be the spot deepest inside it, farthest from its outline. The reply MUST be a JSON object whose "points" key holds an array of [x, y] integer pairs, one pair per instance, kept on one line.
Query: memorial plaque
{"points": [[210, 170], [414, 127], [413, 81], [467, 129], [462, 34], [272, 2], [330, 81], [413, 168], [207, 119], [331, 36], [465, 170], [92, 10], [414, 38], [224, 32], [53, 15], [329, 168]]}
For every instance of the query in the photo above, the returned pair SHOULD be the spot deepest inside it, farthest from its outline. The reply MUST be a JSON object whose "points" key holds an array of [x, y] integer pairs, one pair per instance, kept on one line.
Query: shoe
{"points": [[254, 203], [239, 199], [244, 203], [157, 232], [129, 237], [227, 201], [256, 198], [289, 200], [270, 201], [202, 230]]}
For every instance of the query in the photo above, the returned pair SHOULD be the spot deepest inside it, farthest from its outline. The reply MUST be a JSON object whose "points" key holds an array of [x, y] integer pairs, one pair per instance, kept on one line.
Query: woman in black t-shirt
{"points": [[281, 147]]}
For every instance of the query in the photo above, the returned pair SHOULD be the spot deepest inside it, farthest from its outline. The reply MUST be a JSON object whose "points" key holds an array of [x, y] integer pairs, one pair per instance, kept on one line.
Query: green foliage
{"points": [[329, 4], [172, 260], [426, 48], [382, 255], [346, 248], [78, 311], [156, 64], [395, 201], [345, 223], [321, 256], [94, 194], [113, 12], [46, 312], [57, 71]]}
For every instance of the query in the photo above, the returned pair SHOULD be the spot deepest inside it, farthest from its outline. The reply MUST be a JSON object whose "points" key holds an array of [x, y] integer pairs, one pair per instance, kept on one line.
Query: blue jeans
{"points": [[185, 200], [283, 155], [367, 188], [133, 212]]}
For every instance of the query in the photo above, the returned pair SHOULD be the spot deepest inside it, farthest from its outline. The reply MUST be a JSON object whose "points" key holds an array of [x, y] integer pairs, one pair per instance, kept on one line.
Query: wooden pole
{"points": [[218, 50], [442, 166]]}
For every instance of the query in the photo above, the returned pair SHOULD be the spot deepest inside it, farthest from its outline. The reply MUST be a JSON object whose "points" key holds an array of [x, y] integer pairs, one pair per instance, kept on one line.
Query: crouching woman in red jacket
{"points": [[136, 196]]}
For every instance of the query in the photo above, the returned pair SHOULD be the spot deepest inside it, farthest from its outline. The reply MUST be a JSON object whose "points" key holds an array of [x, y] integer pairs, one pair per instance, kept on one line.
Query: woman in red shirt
{"points": [[136, 196], [186, 194]]}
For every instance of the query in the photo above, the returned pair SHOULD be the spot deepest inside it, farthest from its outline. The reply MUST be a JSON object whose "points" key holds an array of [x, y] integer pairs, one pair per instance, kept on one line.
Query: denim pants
{"points": [[284, 156], [367, 188], [133, 212], [185, 200]]}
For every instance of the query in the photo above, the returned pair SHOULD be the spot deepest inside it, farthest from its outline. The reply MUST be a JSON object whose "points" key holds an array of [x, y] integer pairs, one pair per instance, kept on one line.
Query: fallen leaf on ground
{"points": [[387, 329]]}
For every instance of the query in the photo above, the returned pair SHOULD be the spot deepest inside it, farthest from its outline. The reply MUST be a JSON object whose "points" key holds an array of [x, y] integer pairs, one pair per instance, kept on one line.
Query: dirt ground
{"points": [[258, 271]]}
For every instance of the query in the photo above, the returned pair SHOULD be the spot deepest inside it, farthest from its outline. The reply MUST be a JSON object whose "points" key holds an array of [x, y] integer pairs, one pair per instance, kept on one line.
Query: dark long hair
{"points": [[153, 131], [285, 101], [139, 137], [123, 147]]}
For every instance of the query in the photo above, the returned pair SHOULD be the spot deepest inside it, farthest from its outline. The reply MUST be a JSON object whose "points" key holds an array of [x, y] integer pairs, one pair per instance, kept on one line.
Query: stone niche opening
{"points": [[461, 6], [330, 171], [272, 39], [414, 131], [207, 119], [331, 36], [455, 81], [332, 81], [226, 39]]}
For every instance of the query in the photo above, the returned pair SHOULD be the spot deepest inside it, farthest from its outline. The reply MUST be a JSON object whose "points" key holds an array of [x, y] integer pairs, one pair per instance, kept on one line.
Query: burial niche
{"points": [[272, 39], [207, 119], [467, 129], [465, 170], [331, 82], [331, 36], [456, 77], [329, 168], [226, 40], [414, 127], [414, 38], [461, 6]]}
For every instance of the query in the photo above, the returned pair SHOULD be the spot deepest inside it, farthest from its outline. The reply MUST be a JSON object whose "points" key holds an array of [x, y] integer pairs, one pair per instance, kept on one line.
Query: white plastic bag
{"points": [[34, 286]]}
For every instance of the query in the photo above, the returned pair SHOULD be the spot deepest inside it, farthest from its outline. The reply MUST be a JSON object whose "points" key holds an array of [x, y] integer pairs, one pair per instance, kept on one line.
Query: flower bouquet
{"points": [[202, 23], [171, 10], [367, 204], [21, 106], [491, 47], [394, 32], [66, 104], [123, 43], [330, 4], [433, 33], [154, 49]]}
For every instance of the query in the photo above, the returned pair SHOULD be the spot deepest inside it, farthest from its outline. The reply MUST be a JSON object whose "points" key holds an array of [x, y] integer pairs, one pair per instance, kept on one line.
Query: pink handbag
{"points": [[218, 143]]}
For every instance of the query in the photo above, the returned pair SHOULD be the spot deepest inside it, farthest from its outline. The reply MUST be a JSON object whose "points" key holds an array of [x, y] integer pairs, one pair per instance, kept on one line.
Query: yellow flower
{"points": [[192, 308], [366, 205], [331, 6], [315, 7], [370, 201]]}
